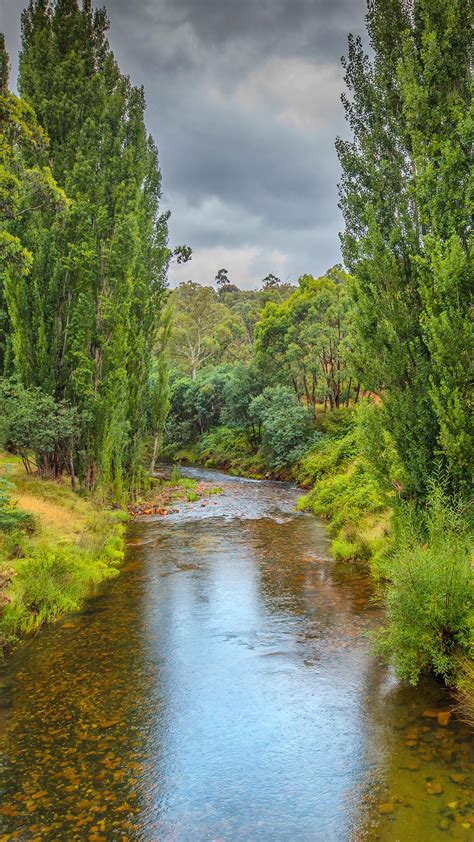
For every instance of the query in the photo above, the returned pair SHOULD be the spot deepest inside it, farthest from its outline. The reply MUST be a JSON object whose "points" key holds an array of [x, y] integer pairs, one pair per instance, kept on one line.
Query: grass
{"points": [[49, 568], [343, 492]]}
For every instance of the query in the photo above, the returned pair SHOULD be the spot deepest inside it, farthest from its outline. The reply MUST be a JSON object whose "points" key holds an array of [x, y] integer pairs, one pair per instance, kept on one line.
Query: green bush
{"points": [[430, 599], [288, 429], [345, 498], [176, 474], [11, 518], [334, 450]]}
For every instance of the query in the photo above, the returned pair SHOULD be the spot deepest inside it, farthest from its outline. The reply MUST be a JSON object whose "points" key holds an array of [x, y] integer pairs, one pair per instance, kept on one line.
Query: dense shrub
{"points": [[288, 430], [430, 599]]}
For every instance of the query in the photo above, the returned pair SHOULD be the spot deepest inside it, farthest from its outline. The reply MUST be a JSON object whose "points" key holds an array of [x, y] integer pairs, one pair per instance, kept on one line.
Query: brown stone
{"points": [[443, 717], [386, 809], [457, 778], [430, 713], [434, 788]]}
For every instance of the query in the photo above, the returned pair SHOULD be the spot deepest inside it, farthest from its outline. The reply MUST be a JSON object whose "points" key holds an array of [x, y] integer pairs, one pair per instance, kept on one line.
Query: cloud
{"points": [[244, 102], [244, 265], [301, 93]]}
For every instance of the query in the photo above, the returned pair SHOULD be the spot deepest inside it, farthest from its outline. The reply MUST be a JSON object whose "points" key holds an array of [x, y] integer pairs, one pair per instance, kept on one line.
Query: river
{"points": [[222, 688]]}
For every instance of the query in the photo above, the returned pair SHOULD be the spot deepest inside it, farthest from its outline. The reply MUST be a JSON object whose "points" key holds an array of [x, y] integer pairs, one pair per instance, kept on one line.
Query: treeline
{"points": [[261, 363], [406, 196], [83, 253]]}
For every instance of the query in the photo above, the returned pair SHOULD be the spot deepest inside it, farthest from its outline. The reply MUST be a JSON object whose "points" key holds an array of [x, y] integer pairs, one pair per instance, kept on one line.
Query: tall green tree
{"points": [[32, 210], [103, 273], [404, 195]]}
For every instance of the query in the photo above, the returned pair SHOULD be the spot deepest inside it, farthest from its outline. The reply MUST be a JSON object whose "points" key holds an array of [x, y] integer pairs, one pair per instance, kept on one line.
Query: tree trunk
{"points": [[349, 385], [155, 451], [72, 470]]}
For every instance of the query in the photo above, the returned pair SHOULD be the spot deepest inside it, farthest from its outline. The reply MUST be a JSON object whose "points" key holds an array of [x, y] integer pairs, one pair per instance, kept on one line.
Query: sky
{"points": [[243, 99]]}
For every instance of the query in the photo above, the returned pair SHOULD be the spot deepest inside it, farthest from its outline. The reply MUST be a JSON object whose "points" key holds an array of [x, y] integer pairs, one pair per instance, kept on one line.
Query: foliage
{"points": [[205, 331], [11, 517], [303, 341], [68, 548], [248, 305], [196, 405], [288, 431], [229, 447], [245, 382], [83, 276], [405, 199], [430, 599], [160, 403], [345, 491], [32, 422]]}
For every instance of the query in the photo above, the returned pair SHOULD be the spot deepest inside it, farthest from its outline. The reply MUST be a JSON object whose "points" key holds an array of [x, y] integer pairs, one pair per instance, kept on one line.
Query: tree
{"points": [[33, 209], [270, 281], [160, 387], [183, 254], [204, 327], [288, 430], [31, 422], [101, 275], [304, 340], [245, 383], [4, 65], [222, 278], [404, 195]]}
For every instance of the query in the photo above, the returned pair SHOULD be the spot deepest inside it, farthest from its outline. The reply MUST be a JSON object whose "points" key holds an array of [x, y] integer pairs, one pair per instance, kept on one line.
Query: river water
{"points": [[222, 688]]}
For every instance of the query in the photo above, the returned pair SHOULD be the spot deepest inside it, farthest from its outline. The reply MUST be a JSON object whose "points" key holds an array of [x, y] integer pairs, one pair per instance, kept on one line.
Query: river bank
{"points": [[57, 549], [419, 558], [332, 475]]}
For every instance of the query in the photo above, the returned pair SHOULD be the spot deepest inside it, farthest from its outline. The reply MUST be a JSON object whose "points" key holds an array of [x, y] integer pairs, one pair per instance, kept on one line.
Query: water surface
{"points": [[222, 688]]}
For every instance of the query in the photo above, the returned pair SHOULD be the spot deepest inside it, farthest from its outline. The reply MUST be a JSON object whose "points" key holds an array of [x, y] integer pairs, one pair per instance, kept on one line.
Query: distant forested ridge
{"points": [[83, 249]]}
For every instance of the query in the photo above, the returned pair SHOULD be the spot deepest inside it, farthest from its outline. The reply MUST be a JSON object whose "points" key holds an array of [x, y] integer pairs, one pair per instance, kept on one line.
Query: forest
{"points": [[355, 385]]}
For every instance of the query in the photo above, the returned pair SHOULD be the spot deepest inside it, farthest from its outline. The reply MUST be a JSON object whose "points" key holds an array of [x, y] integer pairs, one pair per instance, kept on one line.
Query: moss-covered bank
{"points": [[55, 548]]}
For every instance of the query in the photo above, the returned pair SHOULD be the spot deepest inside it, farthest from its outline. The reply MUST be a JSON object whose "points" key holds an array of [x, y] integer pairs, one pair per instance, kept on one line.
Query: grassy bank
{"points": [[55, 547], [342, 490]]}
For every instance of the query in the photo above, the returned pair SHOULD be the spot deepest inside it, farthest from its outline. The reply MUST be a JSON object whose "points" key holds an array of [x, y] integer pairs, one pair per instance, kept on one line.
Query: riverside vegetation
{"points": [[355, 384]]}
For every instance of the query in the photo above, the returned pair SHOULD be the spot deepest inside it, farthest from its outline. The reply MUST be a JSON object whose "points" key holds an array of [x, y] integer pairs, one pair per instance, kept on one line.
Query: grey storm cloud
{"points": [[244, 102]]}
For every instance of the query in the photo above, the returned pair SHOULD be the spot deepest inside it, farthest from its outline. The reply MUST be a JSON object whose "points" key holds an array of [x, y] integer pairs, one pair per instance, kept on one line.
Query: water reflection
{"points": [[222, 688]]}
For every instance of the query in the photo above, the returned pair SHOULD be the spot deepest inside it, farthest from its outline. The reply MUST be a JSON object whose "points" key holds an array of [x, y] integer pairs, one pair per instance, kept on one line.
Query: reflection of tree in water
{"points": [[297, 577]]}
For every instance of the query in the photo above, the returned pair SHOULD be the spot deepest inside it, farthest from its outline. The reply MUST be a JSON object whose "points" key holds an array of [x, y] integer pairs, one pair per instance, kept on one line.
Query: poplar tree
{"points": [[404, 196], [32, 206], [103, 274]]}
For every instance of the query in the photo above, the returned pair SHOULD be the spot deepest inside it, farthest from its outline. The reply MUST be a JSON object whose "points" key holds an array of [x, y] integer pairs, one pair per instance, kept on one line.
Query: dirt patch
{"points": [[66, 522]]}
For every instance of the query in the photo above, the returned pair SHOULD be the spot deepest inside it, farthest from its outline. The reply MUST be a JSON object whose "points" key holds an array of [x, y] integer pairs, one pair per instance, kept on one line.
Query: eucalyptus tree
{"points": [[303, 341]]}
